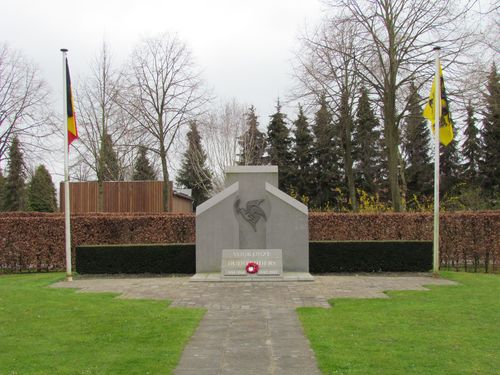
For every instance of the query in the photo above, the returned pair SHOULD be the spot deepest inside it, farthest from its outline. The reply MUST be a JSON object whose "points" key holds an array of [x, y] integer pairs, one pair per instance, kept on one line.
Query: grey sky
{"points": [[243, 47]]}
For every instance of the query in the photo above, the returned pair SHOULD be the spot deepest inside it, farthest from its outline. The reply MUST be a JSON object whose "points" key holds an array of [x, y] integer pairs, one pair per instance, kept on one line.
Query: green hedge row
{"points": [[136, 259], [370, 256], [324, 257]]}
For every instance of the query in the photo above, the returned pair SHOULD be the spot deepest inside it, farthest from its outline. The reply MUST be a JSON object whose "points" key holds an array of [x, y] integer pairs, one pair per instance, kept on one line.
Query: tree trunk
{"points": [[164, 169], [391, 139]]}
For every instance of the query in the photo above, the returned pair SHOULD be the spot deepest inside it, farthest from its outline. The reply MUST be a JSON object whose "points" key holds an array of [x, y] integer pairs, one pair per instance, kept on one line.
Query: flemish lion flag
{"points": [[445, 128], [72, 131]]}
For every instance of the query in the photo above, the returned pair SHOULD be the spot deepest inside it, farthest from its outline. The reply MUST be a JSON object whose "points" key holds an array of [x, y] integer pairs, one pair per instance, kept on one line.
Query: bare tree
{"points": [[221, 130], [394, 48], [326, 66], [164, 92], [23, 101], [101, 116]]}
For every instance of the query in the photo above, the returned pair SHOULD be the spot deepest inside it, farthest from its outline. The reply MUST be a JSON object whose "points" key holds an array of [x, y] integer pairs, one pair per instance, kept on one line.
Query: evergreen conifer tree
{"points": [[367, 146], [194, 174], [302, 156], [449, 165], [471, 149], [279, 147], [143, 170], [2, 188], [489, 166], [252, 142], [417, 141], [14, 189], [110, 166], [41, 192], [326, 152]]}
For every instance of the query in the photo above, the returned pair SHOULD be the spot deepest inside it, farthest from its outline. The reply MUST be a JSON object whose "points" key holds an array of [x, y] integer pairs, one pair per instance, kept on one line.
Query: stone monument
{"points": [[252, 230]]}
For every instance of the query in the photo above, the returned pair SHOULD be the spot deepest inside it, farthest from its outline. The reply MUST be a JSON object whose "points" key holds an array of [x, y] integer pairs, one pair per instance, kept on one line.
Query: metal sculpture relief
{"points": [[252, 213]]}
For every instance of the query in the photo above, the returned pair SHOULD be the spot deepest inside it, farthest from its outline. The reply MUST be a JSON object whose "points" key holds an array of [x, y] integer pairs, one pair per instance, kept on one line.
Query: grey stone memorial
{"points": [[252, 230]]}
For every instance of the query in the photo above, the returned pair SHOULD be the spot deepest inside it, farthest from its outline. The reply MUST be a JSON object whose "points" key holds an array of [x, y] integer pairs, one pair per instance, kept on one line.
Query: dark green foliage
{"points": [[416, 144], [2, 188], [278, 147], [110, 169], [471, 149], [489, 166], [252, 142], [449, 165], [302, 156], [14, 190], [143, 170], [326, 153], [370, 256], [367, 147], [135, 259], [41, 192], [194, 174]]}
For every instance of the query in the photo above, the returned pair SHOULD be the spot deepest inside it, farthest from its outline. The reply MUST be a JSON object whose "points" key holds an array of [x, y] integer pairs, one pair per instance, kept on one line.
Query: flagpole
{"points": [[67, 223], [437, 116]]}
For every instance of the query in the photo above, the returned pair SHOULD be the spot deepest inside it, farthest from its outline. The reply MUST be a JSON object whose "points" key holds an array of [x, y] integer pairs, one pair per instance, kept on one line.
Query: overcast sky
{"points": [[243, 47]]}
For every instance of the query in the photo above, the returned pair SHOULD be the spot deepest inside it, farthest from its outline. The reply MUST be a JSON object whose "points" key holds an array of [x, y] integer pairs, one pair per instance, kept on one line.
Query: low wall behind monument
{"points": [[35, 241]]}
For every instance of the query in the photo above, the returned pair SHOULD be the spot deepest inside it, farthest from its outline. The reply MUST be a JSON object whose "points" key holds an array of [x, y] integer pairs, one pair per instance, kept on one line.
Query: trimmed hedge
{"points": [[324, 257], [370, 256], [135, 259], [35, 241]]}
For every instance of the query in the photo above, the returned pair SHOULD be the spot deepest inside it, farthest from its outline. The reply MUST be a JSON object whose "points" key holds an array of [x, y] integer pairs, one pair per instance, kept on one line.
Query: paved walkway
{"points": [[252, 327]]}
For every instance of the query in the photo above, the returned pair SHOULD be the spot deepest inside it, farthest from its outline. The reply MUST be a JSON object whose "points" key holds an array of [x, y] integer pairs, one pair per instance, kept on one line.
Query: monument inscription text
{"points": [[235, 262]]}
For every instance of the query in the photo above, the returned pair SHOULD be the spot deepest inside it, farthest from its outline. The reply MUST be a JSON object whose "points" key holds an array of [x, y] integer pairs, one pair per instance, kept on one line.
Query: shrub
{"points": [[370, 256]]}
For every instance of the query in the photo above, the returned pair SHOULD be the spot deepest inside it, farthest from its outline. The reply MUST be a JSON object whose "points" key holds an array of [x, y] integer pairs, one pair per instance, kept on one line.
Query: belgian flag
{"points": [[72, 130]]}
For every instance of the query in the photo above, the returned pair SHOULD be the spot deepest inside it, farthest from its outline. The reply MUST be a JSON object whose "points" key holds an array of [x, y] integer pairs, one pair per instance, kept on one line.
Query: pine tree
{"points": [[367, 146], [326, 152], [194, 174], [302, 156], [109, 164], [471, 148], [41, 192], [278, 147], [489, 165], [2, 188], [252, 142], [143, 170], [416, 144], [14, 189]]}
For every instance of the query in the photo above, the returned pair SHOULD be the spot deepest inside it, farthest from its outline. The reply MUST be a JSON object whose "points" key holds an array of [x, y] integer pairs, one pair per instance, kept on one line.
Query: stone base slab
{"points": [[218, 277]]}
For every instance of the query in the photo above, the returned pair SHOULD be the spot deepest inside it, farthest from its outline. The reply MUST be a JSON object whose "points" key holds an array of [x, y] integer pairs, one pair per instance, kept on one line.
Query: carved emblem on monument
{"points": [[252, 213]]}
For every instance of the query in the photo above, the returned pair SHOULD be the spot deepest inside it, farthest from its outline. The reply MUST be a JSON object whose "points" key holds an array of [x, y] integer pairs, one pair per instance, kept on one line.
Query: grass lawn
{"points": [[59, 331], [448, 330]]}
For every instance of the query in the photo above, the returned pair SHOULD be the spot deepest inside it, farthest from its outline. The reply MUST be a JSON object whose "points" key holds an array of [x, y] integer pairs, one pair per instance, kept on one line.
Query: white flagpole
{"points": [[67, 223], [437, 116]]}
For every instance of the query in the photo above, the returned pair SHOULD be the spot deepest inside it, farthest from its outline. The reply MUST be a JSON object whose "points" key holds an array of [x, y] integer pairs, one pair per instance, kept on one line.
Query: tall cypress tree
{"points": [[41, 192], [143, 170], [326, 152], [489, 166], [278, 147], [367, 146], [14, 190], [471, 149], [416, 144], [194, 174], [252, 142], [302, 156]]}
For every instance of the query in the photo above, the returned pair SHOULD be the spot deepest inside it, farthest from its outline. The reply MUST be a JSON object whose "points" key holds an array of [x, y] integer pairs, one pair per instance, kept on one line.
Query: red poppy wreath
{"points": [[252, 268]]}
